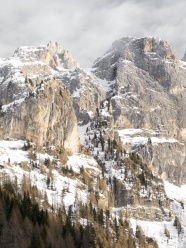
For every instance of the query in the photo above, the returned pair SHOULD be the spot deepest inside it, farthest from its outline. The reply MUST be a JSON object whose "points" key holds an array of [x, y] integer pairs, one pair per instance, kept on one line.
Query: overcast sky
{"points": [[87, 28]]}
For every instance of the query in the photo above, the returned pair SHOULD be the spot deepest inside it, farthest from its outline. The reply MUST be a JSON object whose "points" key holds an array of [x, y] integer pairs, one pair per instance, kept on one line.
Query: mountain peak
{"points": [[52, 54], [144, 53], [55, 47], [132, 46]]}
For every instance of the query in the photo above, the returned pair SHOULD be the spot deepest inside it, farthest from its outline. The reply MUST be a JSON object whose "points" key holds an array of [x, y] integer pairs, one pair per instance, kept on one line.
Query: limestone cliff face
{"points": [[45, 116], [55, 62], [148, 84], [34, 105], [152, 55], [147, 91], [166, 159]]}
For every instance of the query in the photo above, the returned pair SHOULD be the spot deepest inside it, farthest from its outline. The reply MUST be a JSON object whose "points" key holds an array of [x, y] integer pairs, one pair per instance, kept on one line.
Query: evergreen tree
{"points": [[35, 242]]}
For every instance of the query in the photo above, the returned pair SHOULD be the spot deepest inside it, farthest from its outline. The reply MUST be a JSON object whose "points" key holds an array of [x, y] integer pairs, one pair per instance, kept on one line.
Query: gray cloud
{"points": [[88, 28]]}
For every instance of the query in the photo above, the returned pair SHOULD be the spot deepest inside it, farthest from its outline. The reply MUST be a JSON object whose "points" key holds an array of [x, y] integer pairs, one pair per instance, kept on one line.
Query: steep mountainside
{"points": [[147, 94]]}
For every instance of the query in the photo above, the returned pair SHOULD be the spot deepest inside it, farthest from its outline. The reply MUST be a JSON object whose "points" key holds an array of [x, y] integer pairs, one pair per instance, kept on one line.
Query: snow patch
{"points": [[16, 102], [12, 151], [77, 161], [128, 136], [82, 132]]}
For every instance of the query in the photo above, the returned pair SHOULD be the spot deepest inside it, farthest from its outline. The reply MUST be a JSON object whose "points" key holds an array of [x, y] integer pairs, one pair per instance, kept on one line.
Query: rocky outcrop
{"points": [[141, 98], [53, 55], [45, 116], [31, 63], [166, 159], [55, 62], [184, 57], [152, 55]]}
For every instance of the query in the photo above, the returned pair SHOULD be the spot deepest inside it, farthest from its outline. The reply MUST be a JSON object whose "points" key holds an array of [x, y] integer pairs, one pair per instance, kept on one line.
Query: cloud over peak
{"points": [[88, 28]]}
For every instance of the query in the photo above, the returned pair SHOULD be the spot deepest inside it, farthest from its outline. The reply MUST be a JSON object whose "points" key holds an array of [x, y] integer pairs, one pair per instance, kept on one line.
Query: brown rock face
{"points": [[45, 117]]}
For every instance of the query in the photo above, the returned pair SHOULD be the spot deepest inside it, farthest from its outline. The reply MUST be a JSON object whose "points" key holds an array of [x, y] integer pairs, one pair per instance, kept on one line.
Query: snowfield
{"points": [[11, 151]]}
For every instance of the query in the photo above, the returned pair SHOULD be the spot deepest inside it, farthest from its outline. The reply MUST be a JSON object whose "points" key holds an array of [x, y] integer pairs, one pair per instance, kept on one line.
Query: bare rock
{"points": [[45, 117]]}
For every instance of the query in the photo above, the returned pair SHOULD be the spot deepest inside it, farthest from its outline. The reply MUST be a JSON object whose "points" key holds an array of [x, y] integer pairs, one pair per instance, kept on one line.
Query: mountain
{"points": [[101, 150], [147, 92], [34, 85]]}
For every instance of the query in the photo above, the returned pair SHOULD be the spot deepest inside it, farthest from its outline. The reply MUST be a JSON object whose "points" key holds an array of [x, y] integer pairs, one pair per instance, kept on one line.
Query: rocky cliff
{"points": [[35, 106], [147, 91], [45, 116]]}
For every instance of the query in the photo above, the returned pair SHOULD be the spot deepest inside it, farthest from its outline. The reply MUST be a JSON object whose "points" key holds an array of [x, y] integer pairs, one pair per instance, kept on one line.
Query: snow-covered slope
{"points": [[30, 167]]}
